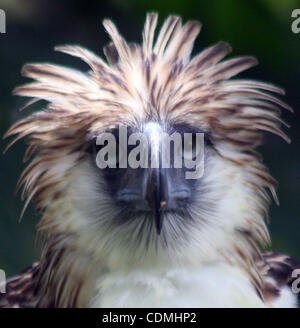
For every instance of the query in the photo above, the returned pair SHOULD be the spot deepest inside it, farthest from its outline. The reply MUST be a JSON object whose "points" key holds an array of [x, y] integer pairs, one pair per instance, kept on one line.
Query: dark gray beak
{"points": [[154, 191], [156, 195]]}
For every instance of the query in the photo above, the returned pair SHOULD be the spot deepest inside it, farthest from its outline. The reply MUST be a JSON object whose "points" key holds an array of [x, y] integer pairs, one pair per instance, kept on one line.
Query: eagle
{"points": [[150, 237]]}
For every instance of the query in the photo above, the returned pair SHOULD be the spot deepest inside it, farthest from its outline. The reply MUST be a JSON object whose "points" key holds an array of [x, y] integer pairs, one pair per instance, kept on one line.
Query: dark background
{"points": [[258, 27]]}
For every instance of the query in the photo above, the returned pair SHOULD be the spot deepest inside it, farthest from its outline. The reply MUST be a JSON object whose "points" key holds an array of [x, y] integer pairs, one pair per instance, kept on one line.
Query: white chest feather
{"points": [[210, 286]]}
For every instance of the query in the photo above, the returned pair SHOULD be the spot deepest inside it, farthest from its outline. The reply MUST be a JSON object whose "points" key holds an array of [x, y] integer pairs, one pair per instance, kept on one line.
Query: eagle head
{"points": [[136, 98]]}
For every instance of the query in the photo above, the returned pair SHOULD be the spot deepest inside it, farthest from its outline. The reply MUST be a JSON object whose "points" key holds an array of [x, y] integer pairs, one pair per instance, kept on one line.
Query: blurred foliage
{"points": [[257, 27]]}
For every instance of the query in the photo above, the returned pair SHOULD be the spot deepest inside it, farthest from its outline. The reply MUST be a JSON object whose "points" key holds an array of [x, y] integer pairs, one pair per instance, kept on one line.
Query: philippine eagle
{"points": [[149, 237]]}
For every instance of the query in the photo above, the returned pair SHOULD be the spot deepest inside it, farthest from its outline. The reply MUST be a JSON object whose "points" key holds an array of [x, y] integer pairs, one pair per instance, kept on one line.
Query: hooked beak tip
{"points": [[158, 226], [159, 218]]}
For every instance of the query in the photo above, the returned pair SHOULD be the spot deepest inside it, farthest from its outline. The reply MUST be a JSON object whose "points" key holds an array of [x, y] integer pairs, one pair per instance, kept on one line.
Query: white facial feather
{"points": [[85, 210]]}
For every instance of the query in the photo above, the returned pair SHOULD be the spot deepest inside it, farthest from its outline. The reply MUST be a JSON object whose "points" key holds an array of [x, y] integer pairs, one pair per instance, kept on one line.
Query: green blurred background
{"points": [[258, 27]]}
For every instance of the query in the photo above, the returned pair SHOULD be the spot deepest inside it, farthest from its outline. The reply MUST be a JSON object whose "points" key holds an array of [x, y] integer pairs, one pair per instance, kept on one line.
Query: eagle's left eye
{"points": [[190, 148], [193, 144]]}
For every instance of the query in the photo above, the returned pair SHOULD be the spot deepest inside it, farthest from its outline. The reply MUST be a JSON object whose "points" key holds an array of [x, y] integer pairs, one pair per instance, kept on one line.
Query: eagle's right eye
{"points": [[108, 151]]}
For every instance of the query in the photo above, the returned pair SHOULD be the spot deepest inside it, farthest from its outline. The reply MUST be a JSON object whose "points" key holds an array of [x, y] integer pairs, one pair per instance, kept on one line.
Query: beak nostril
{"points": [[163, 204]]}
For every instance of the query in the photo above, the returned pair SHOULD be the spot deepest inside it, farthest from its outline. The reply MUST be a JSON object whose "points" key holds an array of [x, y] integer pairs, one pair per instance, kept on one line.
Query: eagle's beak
{"points": [[154, 190], [165, 190], [155, 194]]}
